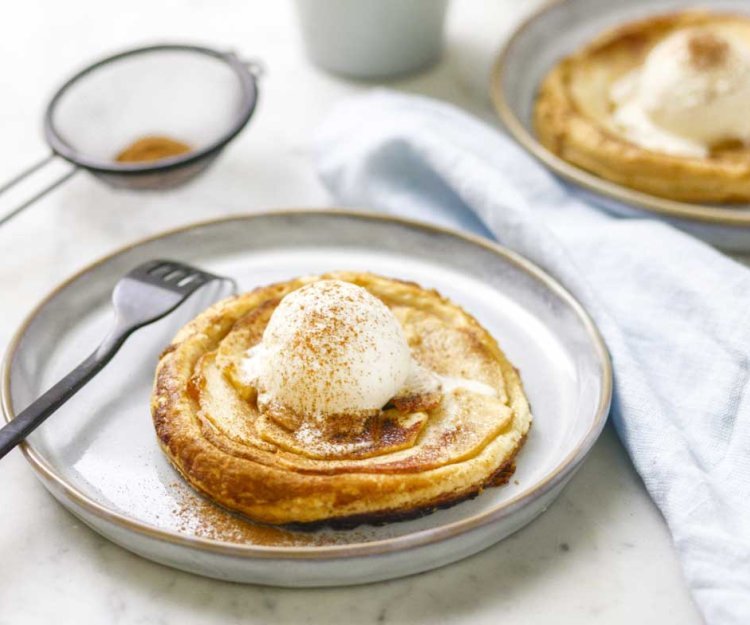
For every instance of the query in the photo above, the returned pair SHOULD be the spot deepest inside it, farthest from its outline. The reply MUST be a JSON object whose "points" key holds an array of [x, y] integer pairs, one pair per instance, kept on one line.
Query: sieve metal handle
{"points": [[32, 169], [255, 67]]}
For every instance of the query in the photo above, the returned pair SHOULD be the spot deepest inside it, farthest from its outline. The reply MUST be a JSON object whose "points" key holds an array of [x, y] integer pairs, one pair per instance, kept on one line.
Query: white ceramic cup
{"points": [[372, 38]]}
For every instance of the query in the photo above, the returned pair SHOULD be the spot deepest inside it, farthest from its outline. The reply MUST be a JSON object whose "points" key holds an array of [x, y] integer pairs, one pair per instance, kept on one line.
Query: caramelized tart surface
{"points": [[427, 449]]}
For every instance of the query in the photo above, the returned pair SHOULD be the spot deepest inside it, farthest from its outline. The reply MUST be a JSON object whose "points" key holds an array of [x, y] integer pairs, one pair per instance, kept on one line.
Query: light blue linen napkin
{"points": [[675, 313]]}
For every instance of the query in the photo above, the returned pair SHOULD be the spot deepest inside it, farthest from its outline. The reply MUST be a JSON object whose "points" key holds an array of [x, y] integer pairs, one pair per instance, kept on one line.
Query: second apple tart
{"points": [[659, 105]]}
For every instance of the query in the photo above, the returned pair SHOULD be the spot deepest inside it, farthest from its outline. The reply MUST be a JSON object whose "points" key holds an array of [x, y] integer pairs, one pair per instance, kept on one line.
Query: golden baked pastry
{"points": [[452, 430], [658, 105]]}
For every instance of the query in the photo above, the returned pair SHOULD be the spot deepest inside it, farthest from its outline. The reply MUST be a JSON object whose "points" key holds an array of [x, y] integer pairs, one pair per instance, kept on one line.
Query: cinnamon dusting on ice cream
{"points": [[707, 50]]}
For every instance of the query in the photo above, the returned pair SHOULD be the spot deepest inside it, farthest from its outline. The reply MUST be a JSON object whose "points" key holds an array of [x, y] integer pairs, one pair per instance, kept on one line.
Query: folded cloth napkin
{"points": [[675, 313]]}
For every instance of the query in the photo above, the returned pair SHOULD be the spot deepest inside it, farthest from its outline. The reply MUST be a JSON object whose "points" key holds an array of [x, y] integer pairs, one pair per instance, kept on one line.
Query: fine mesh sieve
{"points": [[199, 96]]}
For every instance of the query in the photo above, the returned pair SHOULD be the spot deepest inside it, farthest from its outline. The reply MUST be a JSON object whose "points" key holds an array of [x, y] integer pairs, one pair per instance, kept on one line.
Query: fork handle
{"points": [[35, 414]]}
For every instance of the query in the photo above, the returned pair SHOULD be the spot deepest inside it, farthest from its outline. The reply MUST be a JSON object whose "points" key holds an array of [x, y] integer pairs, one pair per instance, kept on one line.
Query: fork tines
{"points": [[171, 274]]}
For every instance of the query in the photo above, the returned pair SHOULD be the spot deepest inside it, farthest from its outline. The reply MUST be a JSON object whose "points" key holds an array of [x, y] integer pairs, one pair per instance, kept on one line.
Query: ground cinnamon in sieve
{"points": [[152, 148]]}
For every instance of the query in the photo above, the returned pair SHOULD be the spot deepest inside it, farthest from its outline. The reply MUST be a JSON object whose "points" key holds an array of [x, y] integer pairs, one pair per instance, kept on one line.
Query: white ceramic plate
{"points": [[559, 29], [99, 456]]}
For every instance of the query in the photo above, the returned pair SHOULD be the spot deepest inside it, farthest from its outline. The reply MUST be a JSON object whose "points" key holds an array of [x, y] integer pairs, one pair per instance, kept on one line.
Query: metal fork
{"points": [[145, 295]]}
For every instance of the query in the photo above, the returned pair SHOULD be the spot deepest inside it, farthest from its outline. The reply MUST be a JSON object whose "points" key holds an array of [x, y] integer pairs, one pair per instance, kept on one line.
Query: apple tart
{"points": [[658, 105], [338, 399]]}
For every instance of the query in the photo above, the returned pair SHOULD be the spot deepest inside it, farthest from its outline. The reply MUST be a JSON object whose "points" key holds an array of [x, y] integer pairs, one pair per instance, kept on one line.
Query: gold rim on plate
{"points": [[63, 488], [704, 213]]}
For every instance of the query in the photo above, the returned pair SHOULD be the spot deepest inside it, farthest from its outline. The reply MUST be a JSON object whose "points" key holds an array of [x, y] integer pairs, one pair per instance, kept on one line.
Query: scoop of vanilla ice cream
{"points": [[697, 85], [331, 347], [692, 92]]}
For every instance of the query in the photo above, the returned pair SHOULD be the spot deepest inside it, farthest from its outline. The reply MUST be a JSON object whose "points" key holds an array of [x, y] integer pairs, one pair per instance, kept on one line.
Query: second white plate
{"points": [[559, 29]]}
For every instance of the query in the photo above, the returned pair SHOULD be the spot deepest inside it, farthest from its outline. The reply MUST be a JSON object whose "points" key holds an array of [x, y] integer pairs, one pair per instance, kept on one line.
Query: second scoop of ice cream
{"points": [[691, 93]]}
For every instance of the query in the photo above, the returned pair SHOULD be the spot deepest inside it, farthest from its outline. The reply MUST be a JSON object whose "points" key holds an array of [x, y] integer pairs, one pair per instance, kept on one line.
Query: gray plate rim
{"points": [[702, 213], [400, 543]]}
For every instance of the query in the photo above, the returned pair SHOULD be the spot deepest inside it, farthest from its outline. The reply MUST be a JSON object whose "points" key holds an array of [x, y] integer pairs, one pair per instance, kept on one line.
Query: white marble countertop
{"points": [[601, 554]]}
